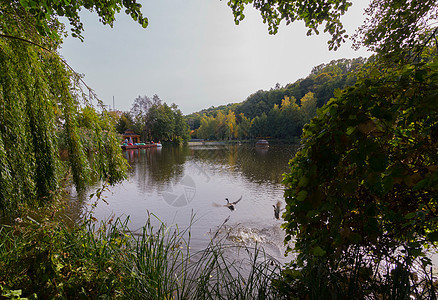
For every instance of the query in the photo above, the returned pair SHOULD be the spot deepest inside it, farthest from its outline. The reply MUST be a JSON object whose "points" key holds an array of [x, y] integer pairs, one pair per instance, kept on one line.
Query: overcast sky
{"points": [[193, 54]]}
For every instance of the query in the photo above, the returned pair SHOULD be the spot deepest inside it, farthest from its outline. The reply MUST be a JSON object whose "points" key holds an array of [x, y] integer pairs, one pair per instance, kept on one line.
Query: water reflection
{"points": [[256, 164], [153, 167]]}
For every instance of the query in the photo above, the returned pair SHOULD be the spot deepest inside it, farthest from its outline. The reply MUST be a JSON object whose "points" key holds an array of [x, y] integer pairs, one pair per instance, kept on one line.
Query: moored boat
{"points": [[262, 143], [139, 146]]}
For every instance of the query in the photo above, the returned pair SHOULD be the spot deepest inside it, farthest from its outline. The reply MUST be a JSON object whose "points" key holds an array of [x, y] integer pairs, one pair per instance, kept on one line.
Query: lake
{"points": [[188, 185]]}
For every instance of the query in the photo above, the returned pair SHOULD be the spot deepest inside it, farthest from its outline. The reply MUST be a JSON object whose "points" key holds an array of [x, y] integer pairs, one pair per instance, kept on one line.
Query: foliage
{"points": [[155, 120], [40, 100], [124, 123], [362, 191], [244, 127], [48, 260], [139, 113], [313, 13], [399, 30], [361, 195], [45, 13], [284, 122], [160, 122], [322, 82], [393, 27]]}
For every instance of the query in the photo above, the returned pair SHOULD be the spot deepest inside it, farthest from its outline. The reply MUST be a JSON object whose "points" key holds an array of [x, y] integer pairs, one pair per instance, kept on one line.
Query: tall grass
{"points": [[107, 260]]}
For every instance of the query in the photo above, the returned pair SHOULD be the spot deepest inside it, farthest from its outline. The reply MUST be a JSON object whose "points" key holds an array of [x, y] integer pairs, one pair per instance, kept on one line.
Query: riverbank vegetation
{"points": [[362, 191], [153, 119], [46, 259]]}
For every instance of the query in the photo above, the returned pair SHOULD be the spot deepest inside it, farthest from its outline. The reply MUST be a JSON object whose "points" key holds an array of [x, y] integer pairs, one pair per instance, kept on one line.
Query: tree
{"points": [[244, 127], [399, 30], [160, 122], [139, 114], [362, 192], [259, 126], [181, 132], [274, 122], [194, 120], [41, 100], [220, 130], [312, 13], [290, 122], [393, 27], [124, 123], [231, 125], [207, 128], [308, 107]]}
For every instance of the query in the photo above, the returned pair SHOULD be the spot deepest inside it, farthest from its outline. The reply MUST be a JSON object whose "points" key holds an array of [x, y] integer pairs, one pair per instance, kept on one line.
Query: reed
{"points": [[107, 260]]}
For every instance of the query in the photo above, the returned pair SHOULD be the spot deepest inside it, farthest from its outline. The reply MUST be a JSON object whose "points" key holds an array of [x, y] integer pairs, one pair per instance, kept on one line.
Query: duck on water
{"points": [[229, 204], [277, 209]]}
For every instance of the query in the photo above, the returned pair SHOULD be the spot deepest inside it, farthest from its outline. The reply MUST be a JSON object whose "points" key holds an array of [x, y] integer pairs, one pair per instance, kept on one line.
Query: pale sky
{"points": [[193, 54]]}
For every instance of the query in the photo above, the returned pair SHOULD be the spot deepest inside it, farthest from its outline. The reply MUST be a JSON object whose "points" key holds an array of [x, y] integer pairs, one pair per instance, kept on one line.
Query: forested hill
{"points": [[322, 82]]}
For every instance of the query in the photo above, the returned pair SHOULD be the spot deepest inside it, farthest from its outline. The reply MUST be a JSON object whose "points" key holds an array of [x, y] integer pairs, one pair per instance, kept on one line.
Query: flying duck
{"points": [[230, 205]]}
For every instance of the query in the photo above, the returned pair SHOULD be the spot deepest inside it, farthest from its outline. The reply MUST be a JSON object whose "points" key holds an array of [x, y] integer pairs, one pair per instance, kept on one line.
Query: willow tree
{"points": [[40, 97]]}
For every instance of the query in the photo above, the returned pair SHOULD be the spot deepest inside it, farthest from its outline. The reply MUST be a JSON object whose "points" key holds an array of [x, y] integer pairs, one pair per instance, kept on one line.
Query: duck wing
{"points": [[235, 202]]}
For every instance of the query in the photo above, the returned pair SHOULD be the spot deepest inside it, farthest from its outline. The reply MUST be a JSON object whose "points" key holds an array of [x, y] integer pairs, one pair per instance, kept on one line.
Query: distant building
{"points": [[131, 135]]}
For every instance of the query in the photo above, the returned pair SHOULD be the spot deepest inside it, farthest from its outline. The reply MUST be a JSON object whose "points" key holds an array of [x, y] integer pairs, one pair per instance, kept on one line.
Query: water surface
{"points": [[188, 185]]}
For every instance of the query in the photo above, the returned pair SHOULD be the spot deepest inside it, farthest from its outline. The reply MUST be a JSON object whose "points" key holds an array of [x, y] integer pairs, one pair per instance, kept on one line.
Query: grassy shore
{"points": [[43, 258], [46, 259]]}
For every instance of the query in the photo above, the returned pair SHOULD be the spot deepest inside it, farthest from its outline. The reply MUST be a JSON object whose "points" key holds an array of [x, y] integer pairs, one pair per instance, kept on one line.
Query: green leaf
{"points": [[302, 195], [318, 251], [350, 187], [421, 184], [303, 181], [333, 111], [350, 130], [410, 215]]}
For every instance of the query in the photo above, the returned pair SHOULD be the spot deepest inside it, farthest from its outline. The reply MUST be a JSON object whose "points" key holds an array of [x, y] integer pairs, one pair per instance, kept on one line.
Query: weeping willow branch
{"points": [[24, 40], [77, 75], [40, 99]]}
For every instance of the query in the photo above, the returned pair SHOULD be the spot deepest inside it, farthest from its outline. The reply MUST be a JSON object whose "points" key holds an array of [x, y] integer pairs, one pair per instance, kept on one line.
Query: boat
{"points": [[262, 144], [131, 146]]}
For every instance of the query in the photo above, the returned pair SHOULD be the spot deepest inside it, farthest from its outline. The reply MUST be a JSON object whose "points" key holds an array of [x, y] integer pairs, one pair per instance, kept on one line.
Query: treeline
{"points": [[153, 119], [280, 112], [283, 121]]}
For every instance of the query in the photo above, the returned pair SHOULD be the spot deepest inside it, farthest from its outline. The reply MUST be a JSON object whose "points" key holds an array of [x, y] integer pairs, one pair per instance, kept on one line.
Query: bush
{"points": [[362, 193]]}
